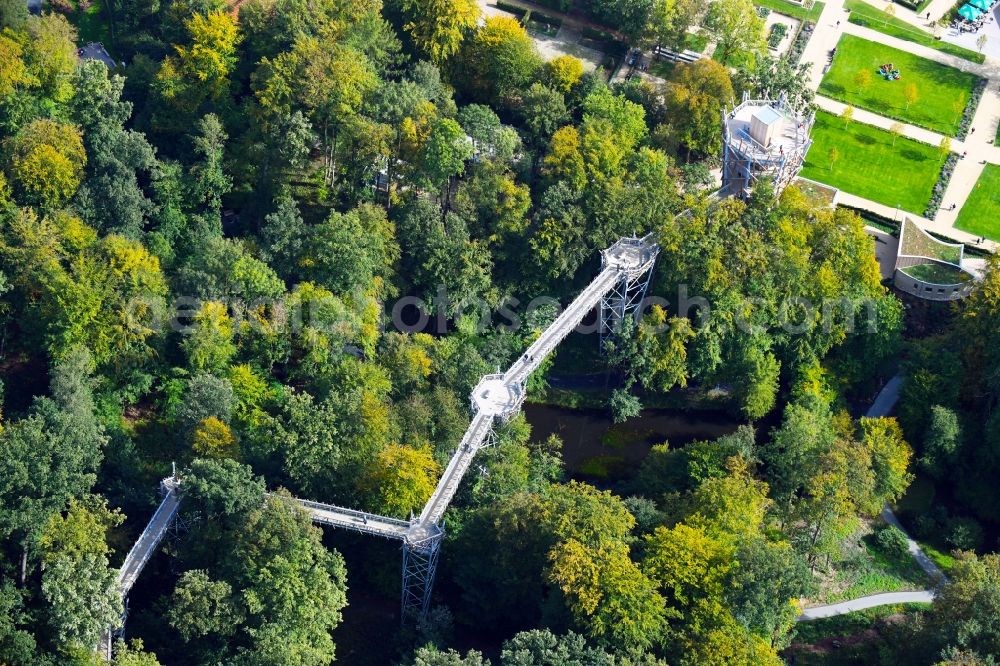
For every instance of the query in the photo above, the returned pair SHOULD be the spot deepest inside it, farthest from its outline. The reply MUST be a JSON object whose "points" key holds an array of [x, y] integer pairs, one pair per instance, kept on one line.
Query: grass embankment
{"points": [[792, 9]]}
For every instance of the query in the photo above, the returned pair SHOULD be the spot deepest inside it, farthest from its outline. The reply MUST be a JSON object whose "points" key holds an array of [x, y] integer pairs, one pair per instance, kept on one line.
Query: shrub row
{"points": [[970, 109], [777, 33], [937, 194], [799, 45]]}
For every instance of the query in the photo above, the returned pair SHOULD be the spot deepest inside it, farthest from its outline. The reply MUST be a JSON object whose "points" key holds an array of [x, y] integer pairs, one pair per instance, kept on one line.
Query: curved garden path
{"points": [[861, 603], [882, 406]]}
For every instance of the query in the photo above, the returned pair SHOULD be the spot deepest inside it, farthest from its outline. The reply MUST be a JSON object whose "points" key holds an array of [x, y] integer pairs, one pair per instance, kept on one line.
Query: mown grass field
{"points": [[864, 14], [942, 91], [870, 166], [981, 213]]}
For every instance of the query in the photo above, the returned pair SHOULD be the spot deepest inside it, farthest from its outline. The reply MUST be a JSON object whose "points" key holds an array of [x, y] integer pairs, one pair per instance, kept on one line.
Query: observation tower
{"points": [[762, 139]]}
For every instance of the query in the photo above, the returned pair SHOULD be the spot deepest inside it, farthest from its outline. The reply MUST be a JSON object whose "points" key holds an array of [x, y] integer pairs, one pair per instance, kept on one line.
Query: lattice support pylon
{"points": [[419, 566], [623, 300]]}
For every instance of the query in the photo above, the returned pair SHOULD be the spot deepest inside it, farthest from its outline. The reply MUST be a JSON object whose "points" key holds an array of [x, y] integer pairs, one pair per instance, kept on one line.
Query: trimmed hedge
{"points": [[937, 194], [778, 31], [970, 109]]}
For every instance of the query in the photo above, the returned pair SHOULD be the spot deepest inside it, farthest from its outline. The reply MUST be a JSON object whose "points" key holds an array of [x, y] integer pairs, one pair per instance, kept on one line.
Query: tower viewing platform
{"points": [[762, 139]]}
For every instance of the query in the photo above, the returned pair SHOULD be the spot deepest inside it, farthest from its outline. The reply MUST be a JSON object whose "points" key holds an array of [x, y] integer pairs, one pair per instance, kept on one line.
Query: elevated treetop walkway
{"points": [[618, 291]]}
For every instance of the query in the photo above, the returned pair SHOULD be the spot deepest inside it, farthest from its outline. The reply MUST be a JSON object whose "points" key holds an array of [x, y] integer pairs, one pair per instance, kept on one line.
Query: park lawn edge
{"points": [[953, 127], [866, 16], [915, 203], [980, 214]]}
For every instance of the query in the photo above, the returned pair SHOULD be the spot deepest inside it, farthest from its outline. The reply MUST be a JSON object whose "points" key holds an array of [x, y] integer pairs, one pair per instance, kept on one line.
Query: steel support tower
{"points": [[626, 297], [618, 290]]}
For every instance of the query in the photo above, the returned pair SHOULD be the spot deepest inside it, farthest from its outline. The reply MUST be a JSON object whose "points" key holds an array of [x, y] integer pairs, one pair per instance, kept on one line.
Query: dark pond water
{"points": [[595, 447]]}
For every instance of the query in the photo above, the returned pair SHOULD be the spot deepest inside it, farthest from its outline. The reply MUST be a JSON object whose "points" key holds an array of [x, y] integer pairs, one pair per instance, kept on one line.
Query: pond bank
{"points": [[594, 447]]}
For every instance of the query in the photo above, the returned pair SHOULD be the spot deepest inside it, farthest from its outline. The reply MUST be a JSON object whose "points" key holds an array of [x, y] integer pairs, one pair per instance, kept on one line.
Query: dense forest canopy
{"points": [[212, 255]]}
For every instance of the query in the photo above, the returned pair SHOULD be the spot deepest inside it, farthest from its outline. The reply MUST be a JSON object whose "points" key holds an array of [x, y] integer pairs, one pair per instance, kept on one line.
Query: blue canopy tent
{"points": [[980, 4], [969, 13]]}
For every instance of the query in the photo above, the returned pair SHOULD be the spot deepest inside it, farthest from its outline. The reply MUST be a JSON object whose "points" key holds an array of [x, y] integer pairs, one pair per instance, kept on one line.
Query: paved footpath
{"points": [[883, 405], [861, 603]]}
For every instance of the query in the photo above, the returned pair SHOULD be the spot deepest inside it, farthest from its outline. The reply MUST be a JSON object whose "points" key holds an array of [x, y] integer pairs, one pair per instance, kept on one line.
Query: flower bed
{"points": [[801, 39]]}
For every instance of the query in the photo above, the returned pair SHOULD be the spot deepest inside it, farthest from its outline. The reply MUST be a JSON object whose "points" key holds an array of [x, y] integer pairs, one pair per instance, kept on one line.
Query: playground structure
{"points": [[618, 291], [762, 139]]}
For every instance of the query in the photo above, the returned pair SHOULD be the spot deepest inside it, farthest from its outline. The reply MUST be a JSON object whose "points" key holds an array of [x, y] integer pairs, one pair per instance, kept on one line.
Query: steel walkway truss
{"points": [[618, 290]]}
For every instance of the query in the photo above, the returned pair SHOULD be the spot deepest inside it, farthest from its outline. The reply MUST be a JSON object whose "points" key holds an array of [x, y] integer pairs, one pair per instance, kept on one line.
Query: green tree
{"points": [[543, 111], [942, 441], [763, 590], [445, 154], [295, 585], [694, 96], [202, 607], [738, 29], [966, 610], [669, 21], [13, 15], [540, 647], [49, 457], [624, 406], [111, 198], [132, 654], [209, 180], [77, 581]]}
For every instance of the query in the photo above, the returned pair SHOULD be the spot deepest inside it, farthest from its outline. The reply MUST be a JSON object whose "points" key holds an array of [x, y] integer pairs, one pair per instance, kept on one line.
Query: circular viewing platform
{"points": [[495, 397]]}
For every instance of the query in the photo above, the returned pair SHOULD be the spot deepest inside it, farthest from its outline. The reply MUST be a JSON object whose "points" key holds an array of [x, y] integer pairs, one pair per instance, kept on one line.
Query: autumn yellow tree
{"points": [[607, 594], [209, 344], [213, 439], [565, 161], [50, 53], [400, 479], [437, 27], [563, 72], [46, 161], [890, 455], [199, 71], [14, 74]]}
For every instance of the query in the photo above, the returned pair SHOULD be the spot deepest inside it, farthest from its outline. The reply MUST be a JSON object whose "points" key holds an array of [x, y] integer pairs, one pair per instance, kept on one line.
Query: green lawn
{"points": [[870, 166], [792, 9], [942, 91], [92, 25], [981, 213], [867, 570], [865, 15]]}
